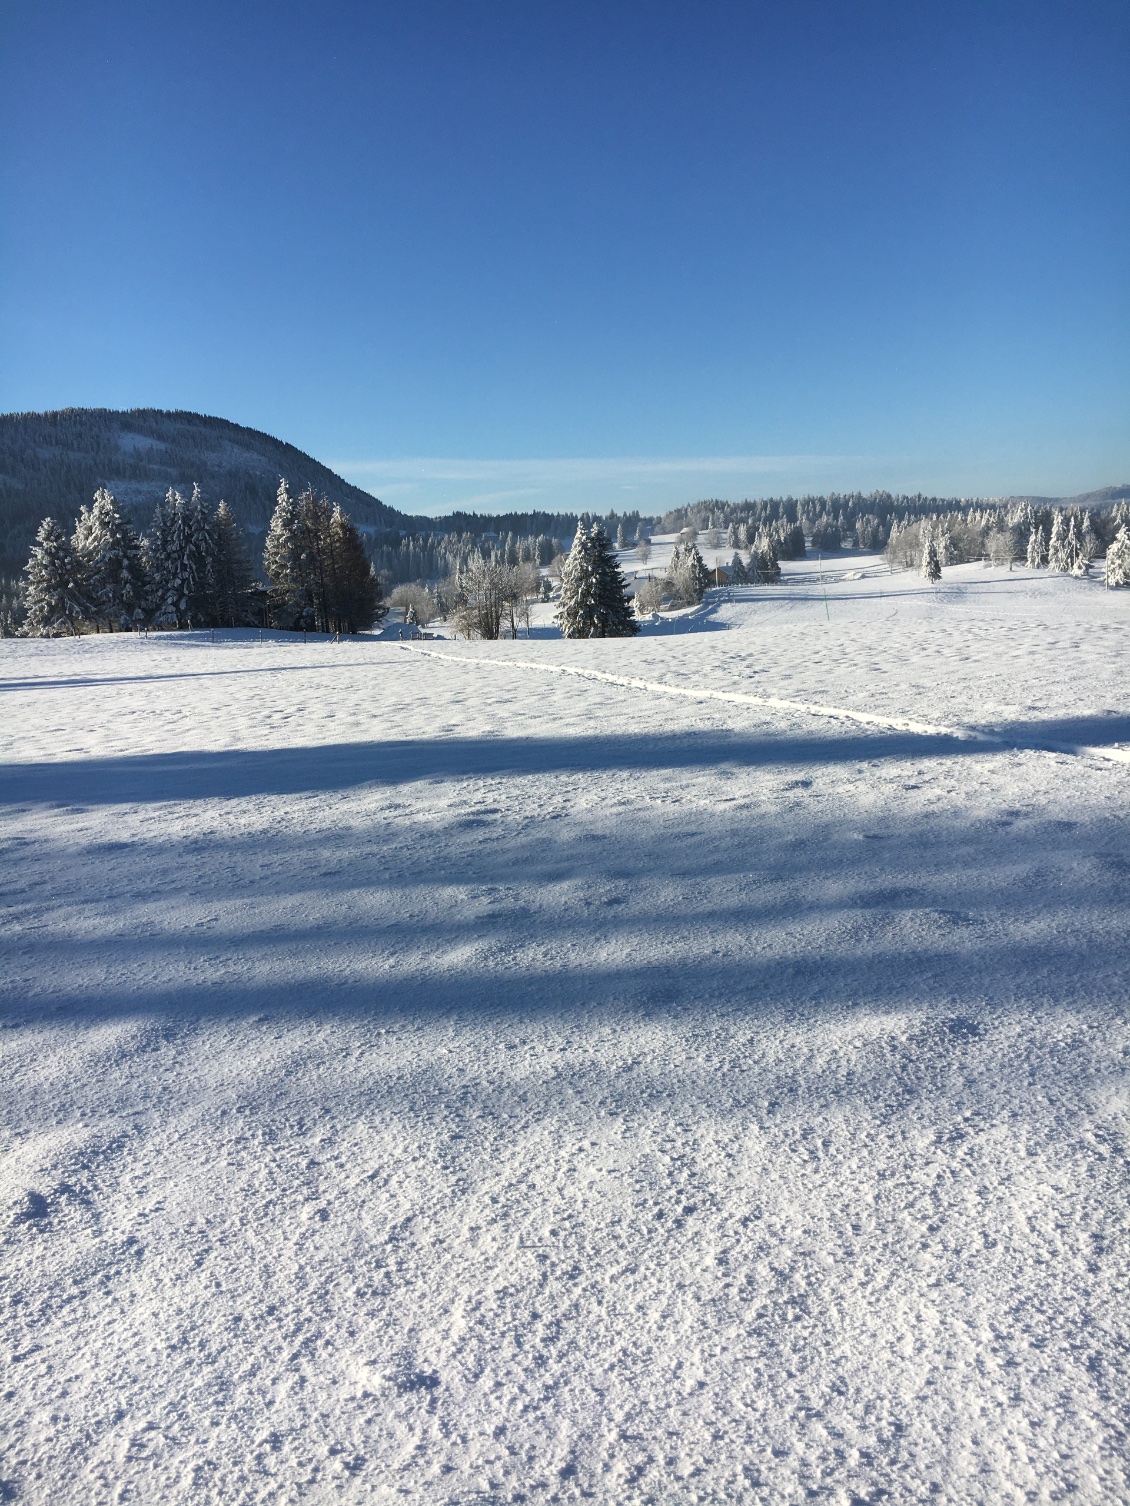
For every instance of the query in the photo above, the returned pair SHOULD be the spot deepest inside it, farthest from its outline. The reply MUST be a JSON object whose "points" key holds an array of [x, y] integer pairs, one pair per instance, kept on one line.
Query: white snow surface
{"points": [[451, 1079]]}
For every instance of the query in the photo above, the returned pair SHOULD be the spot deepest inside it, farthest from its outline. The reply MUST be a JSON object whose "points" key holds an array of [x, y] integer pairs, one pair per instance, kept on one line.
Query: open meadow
{"points": [[690, 1068]]}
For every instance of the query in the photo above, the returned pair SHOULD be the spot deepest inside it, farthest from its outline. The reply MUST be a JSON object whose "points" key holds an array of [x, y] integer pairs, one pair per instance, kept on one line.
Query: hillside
{"points": [[51, 463]]}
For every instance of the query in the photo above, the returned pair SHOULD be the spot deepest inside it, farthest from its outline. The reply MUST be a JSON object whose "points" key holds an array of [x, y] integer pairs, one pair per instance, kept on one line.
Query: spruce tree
{"points": [[1057, 545], [615, 618], [931, 565], [577, 614], [1074, 552], [231, 569], [738, 574], [177, 563], [688, 573], [1117, 571], [107, 553], [356, 603], [202, 608], [1037, 549], [317, 566], [153, 559], [765, 568], [282, 554], [54, 604]]}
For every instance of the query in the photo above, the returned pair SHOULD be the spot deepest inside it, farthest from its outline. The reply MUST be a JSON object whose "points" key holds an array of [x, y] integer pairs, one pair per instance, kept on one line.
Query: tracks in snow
{"points": [[778, 703]]}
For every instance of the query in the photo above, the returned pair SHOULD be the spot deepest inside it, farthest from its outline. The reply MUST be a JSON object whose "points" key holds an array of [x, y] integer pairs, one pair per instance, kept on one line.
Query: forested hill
{"points": [[51, 463]]}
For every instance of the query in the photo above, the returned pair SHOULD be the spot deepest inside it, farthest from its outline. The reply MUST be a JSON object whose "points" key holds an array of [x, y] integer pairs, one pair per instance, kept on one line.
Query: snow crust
{"points": [[453, 1079]]}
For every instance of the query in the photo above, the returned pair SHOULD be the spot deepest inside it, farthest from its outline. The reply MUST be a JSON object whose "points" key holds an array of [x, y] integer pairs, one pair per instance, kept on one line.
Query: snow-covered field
{"points": [[452, 1079]]}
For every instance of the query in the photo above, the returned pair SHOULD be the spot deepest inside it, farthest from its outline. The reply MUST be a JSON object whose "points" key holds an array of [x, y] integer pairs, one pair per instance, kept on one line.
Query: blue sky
{"points": [[568, 254]]}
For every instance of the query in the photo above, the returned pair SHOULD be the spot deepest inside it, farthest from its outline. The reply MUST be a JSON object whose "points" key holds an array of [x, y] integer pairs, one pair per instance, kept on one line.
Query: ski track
{"points": [[425, 1080], [777, 703]]}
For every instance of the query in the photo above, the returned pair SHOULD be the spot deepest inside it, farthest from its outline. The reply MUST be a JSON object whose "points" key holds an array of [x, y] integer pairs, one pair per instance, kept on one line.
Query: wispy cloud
{"points": [[649, 483], [588, 468]]}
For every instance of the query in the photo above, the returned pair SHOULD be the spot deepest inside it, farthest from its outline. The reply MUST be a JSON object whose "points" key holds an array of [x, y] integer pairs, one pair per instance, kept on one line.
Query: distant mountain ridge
{"points": [[52, 463], [1101, 499]]}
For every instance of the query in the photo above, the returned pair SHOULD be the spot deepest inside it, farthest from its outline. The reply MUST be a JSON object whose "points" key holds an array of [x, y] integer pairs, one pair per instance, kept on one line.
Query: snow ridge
{"points": [[779, 703]]}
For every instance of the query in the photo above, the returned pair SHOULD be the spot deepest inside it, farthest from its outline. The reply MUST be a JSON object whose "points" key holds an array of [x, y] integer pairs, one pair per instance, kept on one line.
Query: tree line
{"points": [[191, 570], [871, 519], [1065, 541]]}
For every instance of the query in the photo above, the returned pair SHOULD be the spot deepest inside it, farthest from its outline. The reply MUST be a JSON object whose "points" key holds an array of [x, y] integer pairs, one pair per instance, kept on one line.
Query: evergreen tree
{"points": [[317, 558], [689, 575], [764, 567], [282, 554], [738, 573], [319, 572], [1074, 552], [621, 540], [577, 614], [931, 565], [231, 569], [202, 605], [107, 555], [356, 594], [177, 555], [1117, 572], [1057, 545], [1037, 549], [615, 618], [54, 603], [158, 568], [594, 594]]}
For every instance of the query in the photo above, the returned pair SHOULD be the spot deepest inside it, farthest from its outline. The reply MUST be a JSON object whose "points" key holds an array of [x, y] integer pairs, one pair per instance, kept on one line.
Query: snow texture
{"points": [[687, 1068]]}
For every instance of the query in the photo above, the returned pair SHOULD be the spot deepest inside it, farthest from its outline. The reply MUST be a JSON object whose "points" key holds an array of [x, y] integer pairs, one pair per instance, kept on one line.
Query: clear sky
{"points": [[615, 254]]}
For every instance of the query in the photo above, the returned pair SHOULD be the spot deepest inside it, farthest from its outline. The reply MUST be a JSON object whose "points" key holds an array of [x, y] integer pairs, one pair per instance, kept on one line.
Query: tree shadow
{"points": [[238, 773], [796, 917]]}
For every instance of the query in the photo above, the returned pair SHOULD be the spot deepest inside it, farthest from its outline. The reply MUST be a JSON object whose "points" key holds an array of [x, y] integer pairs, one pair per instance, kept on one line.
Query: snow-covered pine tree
{"points": [[615, 618], [107, 555], [738, 573], [1089, 537], [319, 556], [577, 614], [764, 566], [621, 538], [731, 537], [356, 603], [174, 562], [931, 566], [282, 554], [202, 602], [688, 574], [1074, 552], [154, 554], [231, 569], [54, 603], [1117, 571], [1037, 549], [1057, 545]]}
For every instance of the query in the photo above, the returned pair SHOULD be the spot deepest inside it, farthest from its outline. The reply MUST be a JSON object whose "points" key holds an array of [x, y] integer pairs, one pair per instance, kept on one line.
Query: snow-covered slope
{"points": [[450, 1079]]}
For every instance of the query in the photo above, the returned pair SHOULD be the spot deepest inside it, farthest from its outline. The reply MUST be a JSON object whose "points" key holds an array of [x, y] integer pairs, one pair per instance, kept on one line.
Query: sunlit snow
{"points": [[451, 1079]]}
